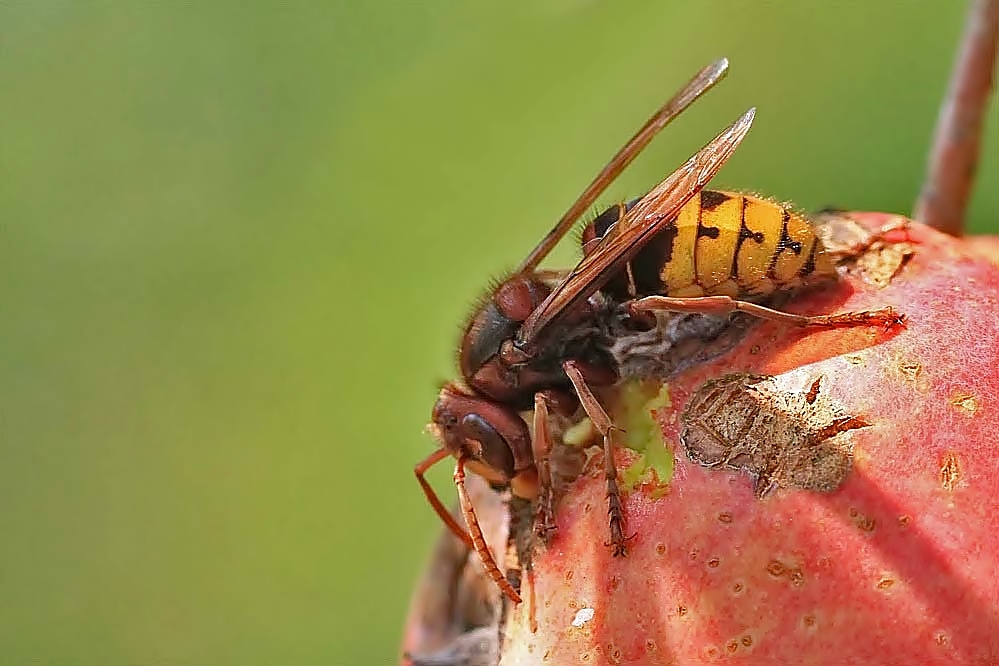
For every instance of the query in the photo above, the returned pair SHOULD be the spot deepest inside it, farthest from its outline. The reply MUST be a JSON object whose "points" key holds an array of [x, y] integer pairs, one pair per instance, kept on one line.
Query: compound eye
{"points": [[493, 450]]}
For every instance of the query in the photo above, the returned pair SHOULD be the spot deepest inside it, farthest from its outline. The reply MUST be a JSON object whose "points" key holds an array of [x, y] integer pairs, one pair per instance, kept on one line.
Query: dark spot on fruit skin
{"points": [[864, 523], [660, 549], [568, 575], [714, 562], [965, 403], [885, 583], [776, 569], [725, 517], [797, 577], [681, 610], [910, 370], [903, 521], [950, 471], [732, 646], [747, 641]]}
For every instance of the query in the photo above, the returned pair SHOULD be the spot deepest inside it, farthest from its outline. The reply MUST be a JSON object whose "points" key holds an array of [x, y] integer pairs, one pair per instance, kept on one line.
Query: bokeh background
{"points": [[238, 241]]}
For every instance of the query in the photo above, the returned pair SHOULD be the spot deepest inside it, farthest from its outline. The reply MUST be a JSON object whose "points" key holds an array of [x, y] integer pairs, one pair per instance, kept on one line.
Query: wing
{"points": [[652, 214], [702, 82]]}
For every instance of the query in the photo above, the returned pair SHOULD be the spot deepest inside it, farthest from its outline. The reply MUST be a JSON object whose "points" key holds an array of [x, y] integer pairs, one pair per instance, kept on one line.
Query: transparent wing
{"points": [[702, 82], [652, 214]]}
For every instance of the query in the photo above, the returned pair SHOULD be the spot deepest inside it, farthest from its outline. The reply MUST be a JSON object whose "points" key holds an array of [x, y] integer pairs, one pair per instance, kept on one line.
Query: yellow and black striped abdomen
{"points": [[724, 243], [740, 245]]}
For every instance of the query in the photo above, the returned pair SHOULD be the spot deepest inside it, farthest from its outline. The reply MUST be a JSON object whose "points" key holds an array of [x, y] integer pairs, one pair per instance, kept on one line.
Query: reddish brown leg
{"points": [[478, 541], [442, 512], [887, 318], [606, 427], [544, 525]]}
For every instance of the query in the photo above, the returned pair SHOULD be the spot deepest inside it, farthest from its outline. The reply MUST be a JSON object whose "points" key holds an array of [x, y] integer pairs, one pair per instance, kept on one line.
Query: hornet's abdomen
{"points": [[722, 243]]}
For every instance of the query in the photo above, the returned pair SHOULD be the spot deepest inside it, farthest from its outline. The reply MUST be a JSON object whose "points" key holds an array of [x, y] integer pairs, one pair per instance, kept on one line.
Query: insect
{"points": [[530, 344]]}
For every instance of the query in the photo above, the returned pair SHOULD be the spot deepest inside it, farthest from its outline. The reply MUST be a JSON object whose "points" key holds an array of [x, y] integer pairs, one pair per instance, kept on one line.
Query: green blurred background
{"points": [[238, 241]]}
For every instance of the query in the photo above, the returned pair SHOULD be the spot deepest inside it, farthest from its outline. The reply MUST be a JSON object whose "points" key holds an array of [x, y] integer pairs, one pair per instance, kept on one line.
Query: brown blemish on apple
{"points": [[713, 563], [966, 403], [782, 438], [950, 471], [660, 548], [796, 576], [863, 522], [776, 568], [885, 582], [747, 641], [903, 521], [910, 370], [809, 623], [725, 517], [732, 646]]}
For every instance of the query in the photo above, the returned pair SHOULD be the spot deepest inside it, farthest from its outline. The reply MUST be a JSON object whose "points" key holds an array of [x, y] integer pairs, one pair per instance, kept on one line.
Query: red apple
{"points": [[864, 529], [988, 245]]}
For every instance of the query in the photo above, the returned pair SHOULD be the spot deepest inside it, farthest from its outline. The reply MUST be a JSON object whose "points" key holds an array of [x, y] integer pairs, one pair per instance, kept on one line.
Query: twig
{"points": [[954, 157]]}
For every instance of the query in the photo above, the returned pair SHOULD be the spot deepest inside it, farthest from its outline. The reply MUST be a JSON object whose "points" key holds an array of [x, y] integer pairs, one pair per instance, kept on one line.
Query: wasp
{"points": [[532, 342]]}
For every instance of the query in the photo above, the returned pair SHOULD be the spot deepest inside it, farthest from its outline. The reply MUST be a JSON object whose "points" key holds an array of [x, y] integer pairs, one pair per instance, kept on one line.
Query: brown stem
{"points": [[957, 141]]}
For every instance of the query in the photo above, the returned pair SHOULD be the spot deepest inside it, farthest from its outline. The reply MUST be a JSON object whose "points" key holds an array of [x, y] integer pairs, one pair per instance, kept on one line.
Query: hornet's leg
{"points": [[544, 525], [887, 318], [478, 541], [435, 502], [606, 427]]}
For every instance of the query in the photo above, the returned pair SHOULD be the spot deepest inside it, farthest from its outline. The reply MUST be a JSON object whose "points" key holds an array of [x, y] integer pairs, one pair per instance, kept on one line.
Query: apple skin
{"points": [[987, 245], [898, 565]]}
